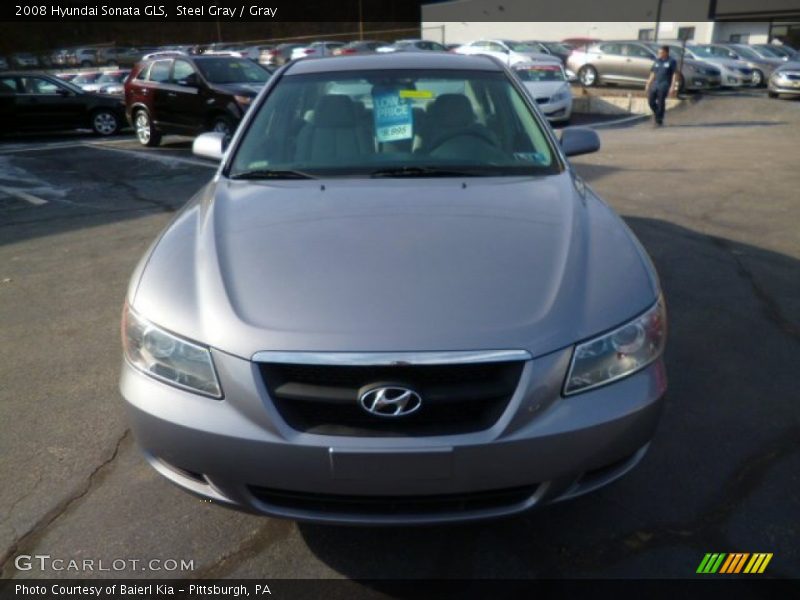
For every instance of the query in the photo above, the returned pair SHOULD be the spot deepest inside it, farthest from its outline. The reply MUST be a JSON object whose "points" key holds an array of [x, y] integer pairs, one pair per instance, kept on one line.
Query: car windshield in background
{"points": [[232, 70], [540, 73], [86, 78], [394, 123], [747, 52], [112, 77], [522, 47]]}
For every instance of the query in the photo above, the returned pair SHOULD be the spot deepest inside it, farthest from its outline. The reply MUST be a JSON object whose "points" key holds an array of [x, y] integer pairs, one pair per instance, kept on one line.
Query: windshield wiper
{"points": [[271, 174], [410, 171]]}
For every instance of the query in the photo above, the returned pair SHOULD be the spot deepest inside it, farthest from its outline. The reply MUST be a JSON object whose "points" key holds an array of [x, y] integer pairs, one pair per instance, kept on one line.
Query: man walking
{"points": [[659, 84]]}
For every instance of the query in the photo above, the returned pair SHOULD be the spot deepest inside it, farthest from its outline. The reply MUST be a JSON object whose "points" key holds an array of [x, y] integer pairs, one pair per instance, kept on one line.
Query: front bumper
{"points": [[239, 452], [702, 82], [557, 111], [789, 87]]}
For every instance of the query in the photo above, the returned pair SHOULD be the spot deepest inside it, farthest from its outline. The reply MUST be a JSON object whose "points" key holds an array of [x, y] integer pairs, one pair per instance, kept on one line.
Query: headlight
{"points": [[558, 97], [167, 357], [620, 352]]}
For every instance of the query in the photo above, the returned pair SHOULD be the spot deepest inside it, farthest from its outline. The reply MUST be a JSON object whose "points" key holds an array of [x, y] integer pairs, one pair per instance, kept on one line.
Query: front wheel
{"points": [[587, 75], [680, 83], [145, 131], [105, 122], [772, 94], [758, 78]]}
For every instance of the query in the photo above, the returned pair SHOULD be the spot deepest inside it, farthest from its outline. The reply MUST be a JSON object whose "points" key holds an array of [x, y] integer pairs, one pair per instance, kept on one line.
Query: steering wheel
{"points": [[483, 135]]}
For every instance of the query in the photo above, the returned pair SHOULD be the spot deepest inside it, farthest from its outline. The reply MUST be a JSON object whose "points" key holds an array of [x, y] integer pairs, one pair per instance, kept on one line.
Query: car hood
{"points": [[545, 89], [728, 63], [239, 89], [394, 265]]}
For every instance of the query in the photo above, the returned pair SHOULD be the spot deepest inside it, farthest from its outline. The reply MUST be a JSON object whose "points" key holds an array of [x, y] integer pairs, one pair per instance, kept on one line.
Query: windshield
{"points": [[540, 73], [395, 123], [770, 52], [231, 70], [746, 52], [86, 78], [522, 47], [112, 77]]}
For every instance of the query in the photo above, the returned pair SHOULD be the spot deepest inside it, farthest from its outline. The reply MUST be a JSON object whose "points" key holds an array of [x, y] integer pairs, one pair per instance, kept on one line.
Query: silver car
{"points": [[627, 62], [762, 67], [508, 52], [733, 72], [394, 308], [785, 80], [548, 85]]}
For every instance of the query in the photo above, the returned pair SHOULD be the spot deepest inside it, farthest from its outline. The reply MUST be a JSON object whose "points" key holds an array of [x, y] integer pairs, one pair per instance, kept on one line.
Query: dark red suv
{"points": [[190, 94]]}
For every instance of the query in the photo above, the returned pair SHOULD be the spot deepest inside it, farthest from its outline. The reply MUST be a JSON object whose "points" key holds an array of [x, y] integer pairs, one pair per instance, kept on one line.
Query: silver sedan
{"points": [[394, 307]]}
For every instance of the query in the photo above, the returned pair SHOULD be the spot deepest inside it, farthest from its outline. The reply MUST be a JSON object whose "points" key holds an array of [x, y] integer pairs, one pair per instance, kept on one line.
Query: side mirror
{"points": [[189, 81], [579, 140], [209, 145]]}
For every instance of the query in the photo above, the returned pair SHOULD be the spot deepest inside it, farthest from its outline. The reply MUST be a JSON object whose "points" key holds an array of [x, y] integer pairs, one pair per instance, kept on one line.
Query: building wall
{"points": [[461, 21], [455, 32], [758, 33]]}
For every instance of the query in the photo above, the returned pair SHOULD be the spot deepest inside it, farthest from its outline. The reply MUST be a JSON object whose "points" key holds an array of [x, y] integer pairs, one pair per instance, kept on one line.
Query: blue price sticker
{"points": [[394, 118]]}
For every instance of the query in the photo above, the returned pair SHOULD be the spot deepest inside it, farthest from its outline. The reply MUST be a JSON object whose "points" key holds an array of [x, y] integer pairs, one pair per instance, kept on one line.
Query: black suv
{"points": [[190, 94]]}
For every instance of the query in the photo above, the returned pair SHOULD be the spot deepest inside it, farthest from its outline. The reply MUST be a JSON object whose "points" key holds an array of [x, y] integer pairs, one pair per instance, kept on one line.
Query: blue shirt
{"points": [[664, 70]]}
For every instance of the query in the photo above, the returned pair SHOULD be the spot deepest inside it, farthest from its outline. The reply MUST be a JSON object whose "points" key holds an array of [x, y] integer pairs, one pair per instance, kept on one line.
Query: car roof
{"points": [[403, 60]]}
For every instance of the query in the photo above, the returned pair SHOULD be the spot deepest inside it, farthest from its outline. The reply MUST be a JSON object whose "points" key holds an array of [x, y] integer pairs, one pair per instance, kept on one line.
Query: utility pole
{"points": [[658, 20], [360, 22]]}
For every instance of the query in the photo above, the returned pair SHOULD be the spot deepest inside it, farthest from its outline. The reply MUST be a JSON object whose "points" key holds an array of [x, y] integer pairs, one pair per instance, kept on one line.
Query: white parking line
{"points": [[39, 148], [152, 155], [22, 195]]}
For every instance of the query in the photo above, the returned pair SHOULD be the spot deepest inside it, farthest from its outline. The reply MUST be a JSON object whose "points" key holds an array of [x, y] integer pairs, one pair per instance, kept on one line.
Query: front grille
{"points": [[394, 505], [456, 398]]}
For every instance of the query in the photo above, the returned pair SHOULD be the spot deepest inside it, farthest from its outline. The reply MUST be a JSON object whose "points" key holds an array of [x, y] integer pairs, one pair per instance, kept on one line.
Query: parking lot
{"points": [[713, 197]]}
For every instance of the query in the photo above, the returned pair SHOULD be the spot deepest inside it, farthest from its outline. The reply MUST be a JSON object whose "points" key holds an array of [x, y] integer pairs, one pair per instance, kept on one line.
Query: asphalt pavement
{"points": [[713, 196]]}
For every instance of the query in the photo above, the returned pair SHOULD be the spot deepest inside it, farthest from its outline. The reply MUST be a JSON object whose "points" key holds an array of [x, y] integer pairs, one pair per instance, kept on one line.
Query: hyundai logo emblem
{"points": [[390, 401]]}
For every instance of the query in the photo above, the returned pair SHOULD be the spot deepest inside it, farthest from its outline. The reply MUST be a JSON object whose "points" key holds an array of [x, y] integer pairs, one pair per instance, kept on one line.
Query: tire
{"points": [[680, 83], [588, 76], [223, 124], [758, 78], [145, 131], [105, 122], [772, 94]]}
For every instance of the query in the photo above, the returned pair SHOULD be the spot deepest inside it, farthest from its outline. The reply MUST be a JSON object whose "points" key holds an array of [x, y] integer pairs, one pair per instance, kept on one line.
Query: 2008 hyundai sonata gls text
{"points": [[395, 303]]}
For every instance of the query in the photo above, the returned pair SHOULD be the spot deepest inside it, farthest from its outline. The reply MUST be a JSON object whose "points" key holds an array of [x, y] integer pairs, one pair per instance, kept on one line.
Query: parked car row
{"points": [[703, 66]]}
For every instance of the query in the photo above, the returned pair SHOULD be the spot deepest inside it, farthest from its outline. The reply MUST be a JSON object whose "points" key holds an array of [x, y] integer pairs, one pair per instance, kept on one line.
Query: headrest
{"points": [[452, 110], [335, 110]]}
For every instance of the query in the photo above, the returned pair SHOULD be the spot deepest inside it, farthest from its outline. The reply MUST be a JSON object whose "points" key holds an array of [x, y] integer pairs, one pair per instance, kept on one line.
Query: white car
{"points": [[509, 52], [548, 85], [315, 50]]}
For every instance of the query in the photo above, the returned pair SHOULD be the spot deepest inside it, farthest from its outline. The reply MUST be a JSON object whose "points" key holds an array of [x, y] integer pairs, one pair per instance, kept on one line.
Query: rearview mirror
{"points": [[209, 145], [579, 140]]}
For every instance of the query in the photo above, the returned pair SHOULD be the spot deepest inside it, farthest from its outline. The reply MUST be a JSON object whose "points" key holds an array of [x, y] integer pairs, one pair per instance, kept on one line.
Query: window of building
{"points": [[647, 35], [685, 33], [739, 38]]}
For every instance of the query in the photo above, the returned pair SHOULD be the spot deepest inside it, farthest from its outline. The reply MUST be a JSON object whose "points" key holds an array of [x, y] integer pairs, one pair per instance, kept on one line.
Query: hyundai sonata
{"points": [[396, 303]]}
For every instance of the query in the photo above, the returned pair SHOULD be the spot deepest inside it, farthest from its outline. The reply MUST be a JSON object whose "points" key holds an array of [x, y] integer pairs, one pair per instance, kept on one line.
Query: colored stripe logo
{"points": [[734, 563]]}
